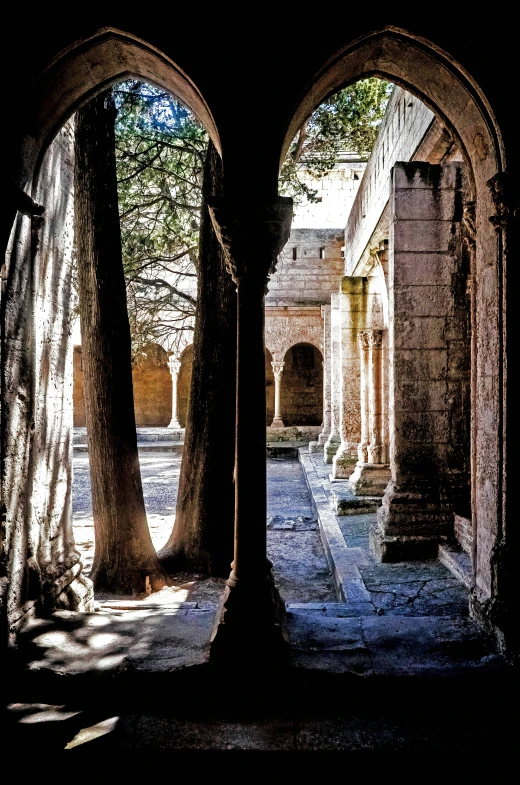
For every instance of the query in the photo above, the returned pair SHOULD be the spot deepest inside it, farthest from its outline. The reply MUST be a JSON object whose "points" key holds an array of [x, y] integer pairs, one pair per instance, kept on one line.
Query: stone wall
{"points": [[288, 325], [309, 268], [429, 343], [404, 125], [38, 546]]}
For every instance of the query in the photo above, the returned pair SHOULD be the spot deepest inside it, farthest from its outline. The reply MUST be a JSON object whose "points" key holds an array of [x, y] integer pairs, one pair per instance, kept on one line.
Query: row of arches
{"points": [[301, 391], [87, 67]]}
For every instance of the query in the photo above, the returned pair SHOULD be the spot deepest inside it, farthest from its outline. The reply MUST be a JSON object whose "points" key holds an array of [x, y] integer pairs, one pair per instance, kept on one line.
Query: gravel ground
{"points": [[293, 541]]}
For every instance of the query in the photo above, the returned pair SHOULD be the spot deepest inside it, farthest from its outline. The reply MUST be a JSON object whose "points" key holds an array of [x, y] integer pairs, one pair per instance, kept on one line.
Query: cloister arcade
{"points": [[402, 328]]}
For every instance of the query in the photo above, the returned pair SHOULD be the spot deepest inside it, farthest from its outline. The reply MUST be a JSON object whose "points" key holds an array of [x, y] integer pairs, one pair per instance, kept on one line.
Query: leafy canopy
{"points": [[160, 152], [347, 122]]}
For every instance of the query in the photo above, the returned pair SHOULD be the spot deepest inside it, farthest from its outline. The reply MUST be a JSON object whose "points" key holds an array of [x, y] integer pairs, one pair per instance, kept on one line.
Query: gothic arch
{"points": [[422, 68], [86, 68]]}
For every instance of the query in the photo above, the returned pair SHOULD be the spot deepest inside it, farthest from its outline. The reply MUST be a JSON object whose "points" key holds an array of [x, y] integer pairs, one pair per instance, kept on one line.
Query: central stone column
{"points": [[174, 365], [250, 622], [277, 371]]}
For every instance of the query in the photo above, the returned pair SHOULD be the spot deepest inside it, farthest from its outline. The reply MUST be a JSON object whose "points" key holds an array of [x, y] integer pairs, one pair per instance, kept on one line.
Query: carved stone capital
{"points": [[375, 338], [505, 199], [174, 365], [252, 236], [363, 339], [277, 369]]}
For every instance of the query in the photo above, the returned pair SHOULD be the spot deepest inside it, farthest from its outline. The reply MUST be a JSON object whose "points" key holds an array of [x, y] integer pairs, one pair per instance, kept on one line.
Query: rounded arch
{"points": [[91, 65], [302, 385]]}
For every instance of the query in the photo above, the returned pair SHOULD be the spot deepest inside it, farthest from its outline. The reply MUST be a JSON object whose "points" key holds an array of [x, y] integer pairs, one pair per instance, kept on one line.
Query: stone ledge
{"points": [[343, 562], [458, 563]]}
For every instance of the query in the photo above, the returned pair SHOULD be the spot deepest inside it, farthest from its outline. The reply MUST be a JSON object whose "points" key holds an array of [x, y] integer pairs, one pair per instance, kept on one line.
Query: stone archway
{"points": [[447, 89], [37, 351], [302, 386]]}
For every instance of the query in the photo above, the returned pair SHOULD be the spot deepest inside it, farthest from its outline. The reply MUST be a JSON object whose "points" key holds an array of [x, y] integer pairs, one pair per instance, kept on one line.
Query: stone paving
{"points": [[294, 544]]}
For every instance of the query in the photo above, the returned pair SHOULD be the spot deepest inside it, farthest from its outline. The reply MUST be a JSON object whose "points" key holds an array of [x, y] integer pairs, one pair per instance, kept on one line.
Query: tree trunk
{"points": [[202, 537], [125, 561]]}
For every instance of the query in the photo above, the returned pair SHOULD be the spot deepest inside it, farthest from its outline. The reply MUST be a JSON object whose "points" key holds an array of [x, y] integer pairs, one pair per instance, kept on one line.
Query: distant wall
{"points": [[309, 268], [152, 389]]}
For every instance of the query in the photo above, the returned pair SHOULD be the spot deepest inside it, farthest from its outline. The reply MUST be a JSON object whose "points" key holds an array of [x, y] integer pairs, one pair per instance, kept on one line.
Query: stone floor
{"points": [[382, 658]]}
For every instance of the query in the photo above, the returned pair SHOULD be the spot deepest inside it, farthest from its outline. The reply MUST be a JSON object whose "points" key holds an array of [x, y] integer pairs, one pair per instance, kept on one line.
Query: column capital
{"points": [[363, 339], [277, 368], [252, 236], [375, 338], [174, 364]]}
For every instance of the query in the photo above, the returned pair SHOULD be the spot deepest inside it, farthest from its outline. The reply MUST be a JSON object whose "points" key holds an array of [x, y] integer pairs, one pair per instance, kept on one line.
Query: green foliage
{"points": [[347, 122], [160, 152]]}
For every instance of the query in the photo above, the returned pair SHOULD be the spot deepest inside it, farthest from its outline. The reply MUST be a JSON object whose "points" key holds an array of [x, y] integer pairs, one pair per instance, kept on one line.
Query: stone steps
{"points": [[458, 563]]}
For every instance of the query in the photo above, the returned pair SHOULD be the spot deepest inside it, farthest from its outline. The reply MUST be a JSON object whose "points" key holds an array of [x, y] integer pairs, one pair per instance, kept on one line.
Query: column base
{"points": [[410, 525], [370, 479], [323, 438], [175, 424], [250, 625], [330, 449], [344, 462], [277, 423], [315, 447]]}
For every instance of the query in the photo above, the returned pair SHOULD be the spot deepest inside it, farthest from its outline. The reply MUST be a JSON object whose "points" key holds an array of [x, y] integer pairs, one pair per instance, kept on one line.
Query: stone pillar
{"points": [[353, 309], [325, 431], [277, 372], [174, 365], [333, 439], [250, 621], [429, 363], [372, 472]]}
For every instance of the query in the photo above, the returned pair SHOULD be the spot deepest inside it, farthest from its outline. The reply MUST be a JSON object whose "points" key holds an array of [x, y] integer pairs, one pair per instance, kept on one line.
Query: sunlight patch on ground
{"points": [[92, 732]]}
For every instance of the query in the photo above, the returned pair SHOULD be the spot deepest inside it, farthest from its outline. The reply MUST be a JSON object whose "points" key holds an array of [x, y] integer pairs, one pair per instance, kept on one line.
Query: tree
{"points": [[160, 153], [348, 121], [125, 561], [202, 537]]}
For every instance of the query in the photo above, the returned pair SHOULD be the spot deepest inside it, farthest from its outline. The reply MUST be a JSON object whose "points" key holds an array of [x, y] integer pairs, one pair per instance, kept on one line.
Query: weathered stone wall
{"points": [[429, 342], [38, 546], [404, 125], [335, 193], [302, 386], [288, 325], [309, 268], [152, 384]]}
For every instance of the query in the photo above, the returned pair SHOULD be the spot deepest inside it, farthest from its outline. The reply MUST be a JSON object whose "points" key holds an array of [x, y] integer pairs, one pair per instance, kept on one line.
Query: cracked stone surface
{"points": [[293, 541]]}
